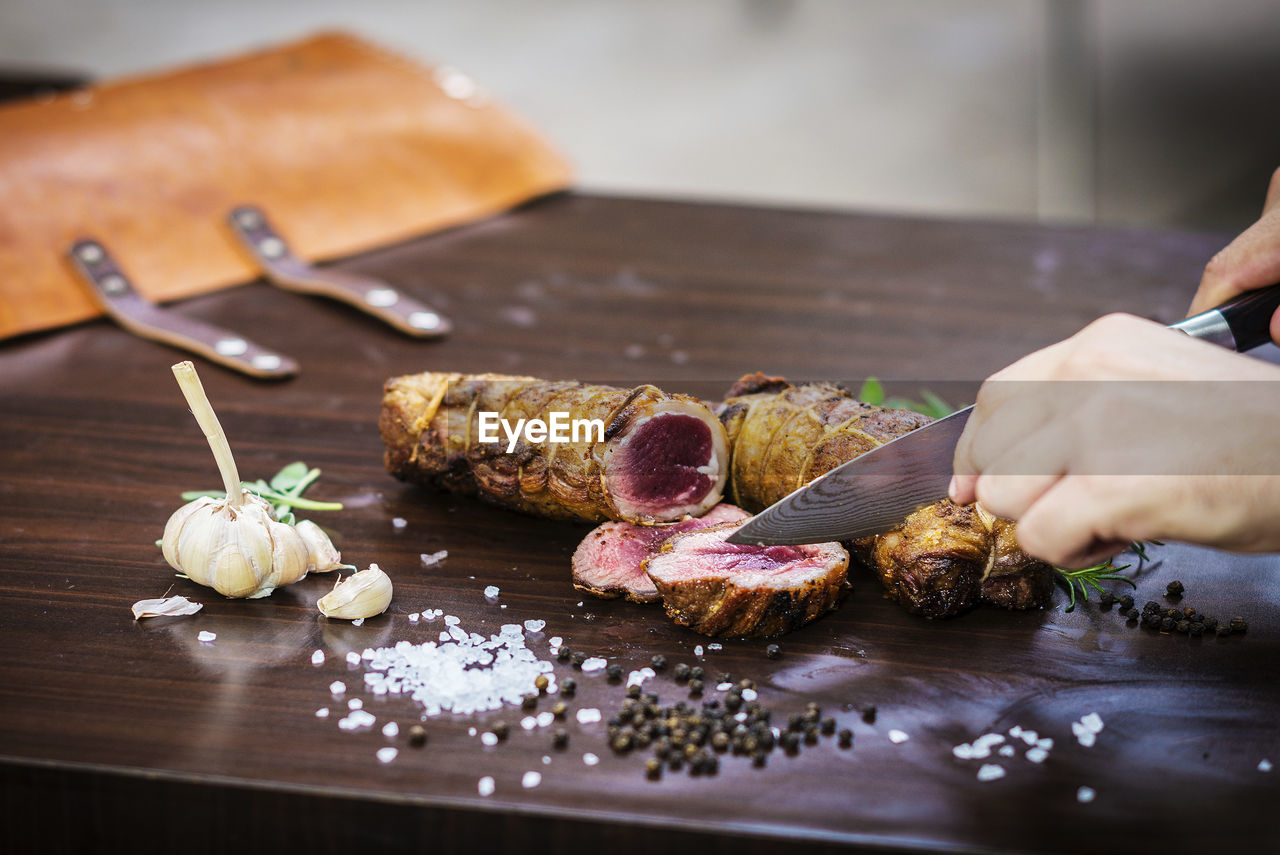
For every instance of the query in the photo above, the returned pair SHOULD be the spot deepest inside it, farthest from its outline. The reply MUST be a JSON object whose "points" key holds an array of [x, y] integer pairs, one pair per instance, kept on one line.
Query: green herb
{"points": [[872, 392], [284, 490], [1139, 548], [1091, 577]]}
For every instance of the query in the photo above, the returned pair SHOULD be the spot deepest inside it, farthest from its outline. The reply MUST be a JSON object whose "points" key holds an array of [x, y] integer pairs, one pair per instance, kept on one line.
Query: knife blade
{"points": [[875, 492]]}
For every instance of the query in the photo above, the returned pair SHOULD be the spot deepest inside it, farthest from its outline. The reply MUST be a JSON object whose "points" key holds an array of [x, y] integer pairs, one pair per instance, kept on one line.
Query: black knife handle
{"points": [[1240, 324]]}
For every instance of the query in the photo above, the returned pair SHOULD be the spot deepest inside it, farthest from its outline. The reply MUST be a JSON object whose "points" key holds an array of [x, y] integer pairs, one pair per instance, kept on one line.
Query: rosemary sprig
{"points": [[284, 490], [1091, 577], [1139, 548]]}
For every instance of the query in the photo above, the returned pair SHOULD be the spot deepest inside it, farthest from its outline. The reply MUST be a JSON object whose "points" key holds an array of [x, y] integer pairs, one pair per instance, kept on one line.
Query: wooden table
{"points": [[115, 731]]}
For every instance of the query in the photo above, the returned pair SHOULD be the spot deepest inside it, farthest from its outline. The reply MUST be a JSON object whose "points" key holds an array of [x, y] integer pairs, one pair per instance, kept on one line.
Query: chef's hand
{"points": [[1087, 467], [1250, 261]]}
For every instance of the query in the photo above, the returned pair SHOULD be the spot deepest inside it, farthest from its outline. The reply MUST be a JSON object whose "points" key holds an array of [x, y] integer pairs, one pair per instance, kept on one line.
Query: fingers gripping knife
{"points": [[873, 493]]}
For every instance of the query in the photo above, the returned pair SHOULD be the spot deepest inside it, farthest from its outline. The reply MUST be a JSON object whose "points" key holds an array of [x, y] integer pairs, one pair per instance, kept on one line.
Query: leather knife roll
{"points": [[345, 146]]}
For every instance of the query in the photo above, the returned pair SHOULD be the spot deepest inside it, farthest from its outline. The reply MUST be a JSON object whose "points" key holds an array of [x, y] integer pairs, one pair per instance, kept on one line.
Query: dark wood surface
{"points": [[112, 730]]}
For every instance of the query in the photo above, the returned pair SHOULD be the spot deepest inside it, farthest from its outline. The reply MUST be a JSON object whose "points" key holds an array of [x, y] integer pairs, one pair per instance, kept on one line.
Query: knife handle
{"points": [[1240, 324]]}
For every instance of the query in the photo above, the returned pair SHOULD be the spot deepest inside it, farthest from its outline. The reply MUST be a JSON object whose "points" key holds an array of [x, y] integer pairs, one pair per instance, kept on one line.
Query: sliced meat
{"points": [[662, 457], [609, 561], [724, 589], [1014, 580]]}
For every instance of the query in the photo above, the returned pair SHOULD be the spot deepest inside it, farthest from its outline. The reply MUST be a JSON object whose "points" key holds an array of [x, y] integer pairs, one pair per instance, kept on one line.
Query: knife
{"points": [[875, 492]]}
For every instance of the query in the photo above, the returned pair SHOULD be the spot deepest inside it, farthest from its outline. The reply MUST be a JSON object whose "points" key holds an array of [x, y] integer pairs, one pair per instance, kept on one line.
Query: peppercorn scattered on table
{"points": [[1039, 731]]}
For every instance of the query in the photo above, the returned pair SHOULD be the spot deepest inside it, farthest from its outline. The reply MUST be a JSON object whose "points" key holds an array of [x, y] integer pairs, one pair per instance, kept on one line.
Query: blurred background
{"points": [[1154, 113]]}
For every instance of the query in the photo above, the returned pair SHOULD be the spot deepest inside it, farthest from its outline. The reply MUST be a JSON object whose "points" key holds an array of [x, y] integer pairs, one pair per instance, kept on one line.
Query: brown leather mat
{"points": [[346, 147]]}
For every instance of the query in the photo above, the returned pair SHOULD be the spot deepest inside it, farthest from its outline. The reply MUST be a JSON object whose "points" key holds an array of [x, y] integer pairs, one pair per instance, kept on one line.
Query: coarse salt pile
{"points": [[1086, 730], [462, 673]]}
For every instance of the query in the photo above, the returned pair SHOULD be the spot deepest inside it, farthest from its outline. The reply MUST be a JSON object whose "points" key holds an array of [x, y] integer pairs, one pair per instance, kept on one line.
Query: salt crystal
{"points": [[489, 738], [1083, 734], [1030, 737], [545, 718], [749, 694], [452, 620], [528, 722], [471, 731], [1088, 738], [1045, 742], [723, 687], [391, 730], [897, 737], [338, 687], [534, 625], [697, 651], [715, 646], [358, 622], [413, 617], [485, 786], [546, 760], [399, 522], [1015, 731], [1264, 765], [317, 658], [1006, 751], [444, 636], [963, 751], [1093, 721], [386, 755], [588, 715], [590, 759], [353, 658], [504, 605], [556, 641], [433, 558], [990, 772], [205, 635], [323, 712], [579, 604], [491, 592], [988, 740], [357, 720], [1084, 795], [355, 704], [1037, 755], [531, 780]]}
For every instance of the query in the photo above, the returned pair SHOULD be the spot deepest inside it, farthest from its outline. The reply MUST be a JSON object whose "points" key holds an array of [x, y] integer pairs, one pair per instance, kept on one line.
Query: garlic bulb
{"points": [[360, 595], [234, 545], [238, 550]]}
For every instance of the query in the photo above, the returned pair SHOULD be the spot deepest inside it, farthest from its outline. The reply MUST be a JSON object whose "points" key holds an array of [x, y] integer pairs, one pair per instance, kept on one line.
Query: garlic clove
{"points": [[360, 595], [322, 555]]}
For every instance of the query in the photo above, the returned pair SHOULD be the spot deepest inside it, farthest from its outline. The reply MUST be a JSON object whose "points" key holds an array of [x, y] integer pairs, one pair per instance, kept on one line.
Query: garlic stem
{"points": [[193, 391]]}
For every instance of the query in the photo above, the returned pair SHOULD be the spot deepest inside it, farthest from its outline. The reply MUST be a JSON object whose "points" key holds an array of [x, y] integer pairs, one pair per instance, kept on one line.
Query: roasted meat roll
{"points": [[655, 458], [943, 560]]}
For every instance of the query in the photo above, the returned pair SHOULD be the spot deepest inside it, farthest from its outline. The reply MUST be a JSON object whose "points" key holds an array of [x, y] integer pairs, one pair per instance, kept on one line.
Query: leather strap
{"points": [[113, 291], [283, 268]]}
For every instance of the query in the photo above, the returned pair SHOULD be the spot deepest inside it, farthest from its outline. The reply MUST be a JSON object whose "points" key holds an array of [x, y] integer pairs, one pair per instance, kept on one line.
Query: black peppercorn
{"points": [[1238, 624], [696, 673], [869, 715], [621, 743], [1224, 630], [828, 726], [695, 687], [1106, 599], [773, 651], [720, 742], [1126, 601], [560, 709], [568, 687], [845, 738], [529, 701], [500, 729], [1151, 606], [1166, 624], [759, 759], [563, 654], [1210, 624], [1197, 628], [633, 691], [653, 768], [613, 672], [658, 662], [560, 737], [417, 736], [577, 659], [732, 701], [724, 678], [680, 673], [541, 682], [1174, 589], [1183, 626]]}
